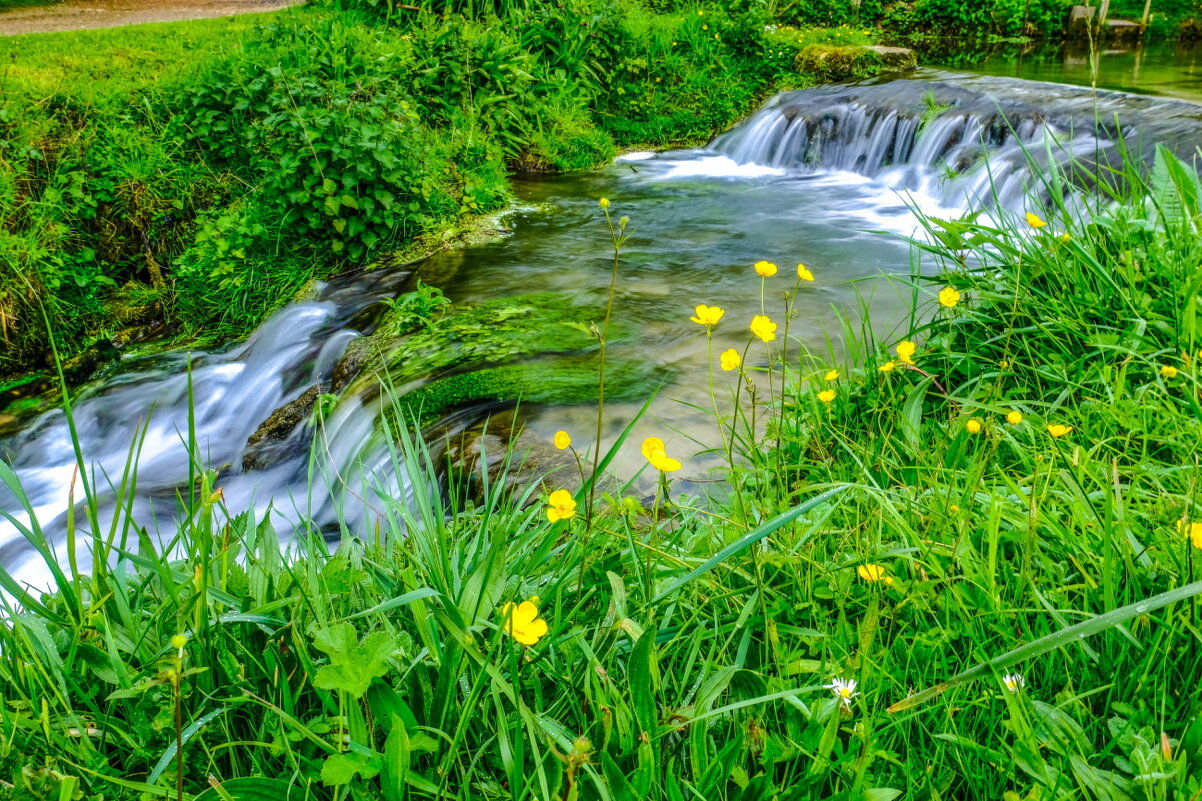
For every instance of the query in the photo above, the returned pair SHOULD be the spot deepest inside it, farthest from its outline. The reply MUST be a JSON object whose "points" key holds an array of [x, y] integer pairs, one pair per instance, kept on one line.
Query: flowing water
{"points": [[828, 177]]}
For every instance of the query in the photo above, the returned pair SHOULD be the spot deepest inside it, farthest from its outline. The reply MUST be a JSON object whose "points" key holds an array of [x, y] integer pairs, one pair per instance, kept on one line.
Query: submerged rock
{"points": [[446, 370], [502, 450]]}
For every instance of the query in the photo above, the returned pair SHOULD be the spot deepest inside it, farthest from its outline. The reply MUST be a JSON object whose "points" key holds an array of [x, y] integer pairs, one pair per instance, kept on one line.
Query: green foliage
{"points": [[317, 141], [353, 664], [690, 648]]}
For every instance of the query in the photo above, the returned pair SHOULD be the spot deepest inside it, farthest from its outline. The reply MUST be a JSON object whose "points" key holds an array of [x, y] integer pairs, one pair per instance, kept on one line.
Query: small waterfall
{"points": [[222, 396], [970, 144]]}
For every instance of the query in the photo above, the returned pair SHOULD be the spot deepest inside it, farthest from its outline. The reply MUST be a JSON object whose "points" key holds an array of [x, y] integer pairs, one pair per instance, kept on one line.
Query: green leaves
{"points": [[353, 663], [342, 768], [1057, 639]]}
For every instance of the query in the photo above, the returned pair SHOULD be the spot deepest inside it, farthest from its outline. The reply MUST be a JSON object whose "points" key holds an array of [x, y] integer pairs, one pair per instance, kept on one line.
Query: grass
{"points": [[115, 63], [1016, 602], [186, 172]]}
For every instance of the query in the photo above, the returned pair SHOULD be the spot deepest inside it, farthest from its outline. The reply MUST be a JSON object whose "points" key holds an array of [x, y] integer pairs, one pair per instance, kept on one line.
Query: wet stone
{"points": [[271, 441]]}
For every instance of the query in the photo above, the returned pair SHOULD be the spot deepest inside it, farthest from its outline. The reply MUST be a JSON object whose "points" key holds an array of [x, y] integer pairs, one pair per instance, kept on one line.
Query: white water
{"points": [[806, 176], [223, 397]]}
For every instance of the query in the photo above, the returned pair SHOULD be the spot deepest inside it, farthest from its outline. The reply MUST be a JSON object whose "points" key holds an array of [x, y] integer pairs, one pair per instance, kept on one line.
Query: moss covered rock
{"points": [[841, 63], [416, 342]]}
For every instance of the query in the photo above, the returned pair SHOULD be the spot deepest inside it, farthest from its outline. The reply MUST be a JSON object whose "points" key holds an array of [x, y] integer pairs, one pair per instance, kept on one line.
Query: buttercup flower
{"points": [[730, 359], [523, 623], [1014, 417], [871, 572], [765, 269], [1057, 430], [1034, 221], [560, 505], [1191, 530], [708, 315], [844, 690], [763, 328], [804, 274], [654, 452], [887, 367], [562, 440], [826, 395], [1014, 682], [831, 376], [949, 297], [905, 351], [973, 426], [603, 203], [1168, 371], [1064, 237]]}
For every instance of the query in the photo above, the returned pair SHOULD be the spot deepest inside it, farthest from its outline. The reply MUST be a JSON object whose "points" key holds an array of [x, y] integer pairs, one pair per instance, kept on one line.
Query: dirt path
{"points": [[75, 15]]}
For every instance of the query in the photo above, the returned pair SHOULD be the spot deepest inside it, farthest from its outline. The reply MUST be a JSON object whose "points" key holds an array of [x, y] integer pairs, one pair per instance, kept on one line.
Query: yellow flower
{"points": [[523, 623], [1034, 221], [654, 452], [730, 359], [1168, 371], [763, 328], [804, 274], [949, 297], [705, 27], [905, 351], [887, 367], [708, 315], [826, 395], [1004, 364], [603, 203], [1014, 417], [1191, 530], [562, 440], [560, 506], [831, 376], [871, 572], [1064, 237], [178, 641], [1057, 430], [973, 426], [766, 269]]}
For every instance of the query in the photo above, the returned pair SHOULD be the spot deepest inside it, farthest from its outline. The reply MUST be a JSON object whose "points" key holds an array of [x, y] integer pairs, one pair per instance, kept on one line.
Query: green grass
{"points": [[10, 5], [205, 172], [117, 63], [876, 537]]}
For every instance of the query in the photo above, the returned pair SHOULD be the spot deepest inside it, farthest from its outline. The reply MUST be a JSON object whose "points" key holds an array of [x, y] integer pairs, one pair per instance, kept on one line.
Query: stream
{"points": [[828, 177]]}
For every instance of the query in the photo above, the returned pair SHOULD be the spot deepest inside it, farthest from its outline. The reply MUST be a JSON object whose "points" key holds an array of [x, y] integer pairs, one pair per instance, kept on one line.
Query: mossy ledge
{"points": [[842, 63]]}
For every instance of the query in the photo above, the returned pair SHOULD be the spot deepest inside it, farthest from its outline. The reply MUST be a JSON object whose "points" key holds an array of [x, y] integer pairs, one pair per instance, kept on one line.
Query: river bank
{"points": [[181, 204]]}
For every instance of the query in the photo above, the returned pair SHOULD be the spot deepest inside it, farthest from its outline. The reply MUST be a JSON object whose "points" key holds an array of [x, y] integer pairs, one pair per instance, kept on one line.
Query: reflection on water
{"points": [[1167, 69]]}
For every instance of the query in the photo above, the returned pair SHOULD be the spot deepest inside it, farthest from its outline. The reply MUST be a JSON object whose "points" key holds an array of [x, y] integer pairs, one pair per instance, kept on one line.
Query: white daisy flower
{"points": [[1014, 682], [844, 690]]}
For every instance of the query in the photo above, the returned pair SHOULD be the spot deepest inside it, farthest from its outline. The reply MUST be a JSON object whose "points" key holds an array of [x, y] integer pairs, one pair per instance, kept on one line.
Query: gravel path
{"points": [[75, 15]]}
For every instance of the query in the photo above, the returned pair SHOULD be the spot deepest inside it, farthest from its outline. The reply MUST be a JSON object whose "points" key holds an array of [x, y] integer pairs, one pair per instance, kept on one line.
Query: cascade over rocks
{"points": [[936, 137]]}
